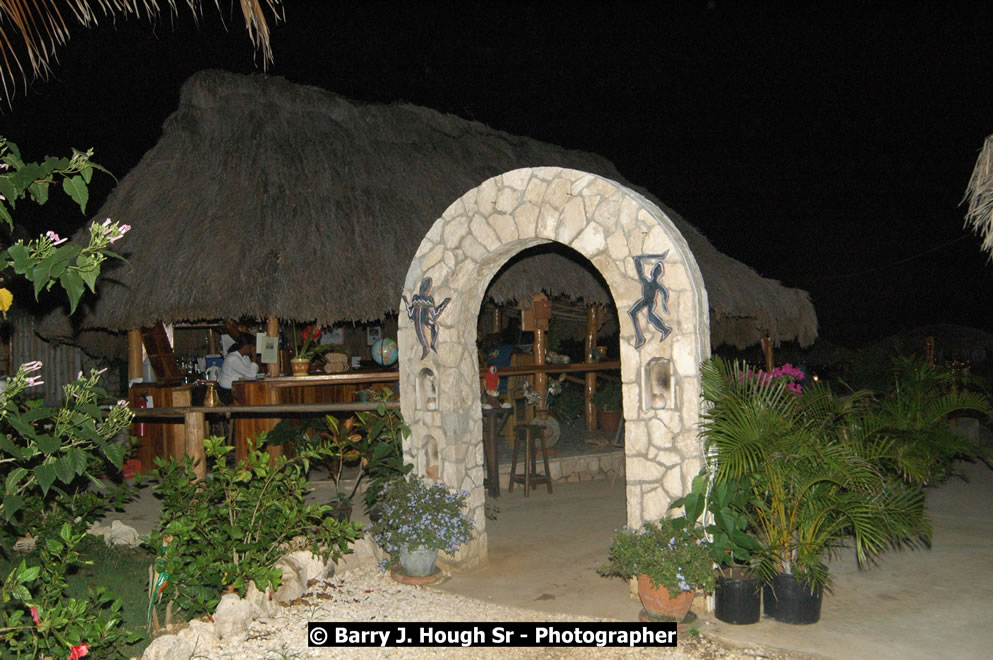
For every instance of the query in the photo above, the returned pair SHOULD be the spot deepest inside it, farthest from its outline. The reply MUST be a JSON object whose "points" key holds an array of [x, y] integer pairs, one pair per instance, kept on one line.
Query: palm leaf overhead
{"points": [[979, 194], [35, 29]]}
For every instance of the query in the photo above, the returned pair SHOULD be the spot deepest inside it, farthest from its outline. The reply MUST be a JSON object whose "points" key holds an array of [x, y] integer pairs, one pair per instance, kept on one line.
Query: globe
{"points": [[384, 351]]}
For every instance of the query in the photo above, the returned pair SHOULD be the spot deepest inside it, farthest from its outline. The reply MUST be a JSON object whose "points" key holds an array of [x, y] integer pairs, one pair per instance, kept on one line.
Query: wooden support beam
{"points": [[134, 354], [195, 424], [272, 330], [593, 322]]}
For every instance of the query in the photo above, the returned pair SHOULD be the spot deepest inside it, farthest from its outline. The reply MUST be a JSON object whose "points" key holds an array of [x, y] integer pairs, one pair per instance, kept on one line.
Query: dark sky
{"points": [[827, 146]]}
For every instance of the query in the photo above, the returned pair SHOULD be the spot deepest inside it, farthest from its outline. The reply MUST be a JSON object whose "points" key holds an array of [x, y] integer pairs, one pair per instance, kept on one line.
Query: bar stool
{"points": [[527, 434]]}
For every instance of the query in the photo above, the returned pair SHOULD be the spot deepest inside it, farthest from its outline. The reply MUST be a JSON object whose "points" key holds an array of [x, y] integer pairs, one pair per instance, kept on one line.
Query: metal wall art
{"points": [[424, 313], [652, 292]]}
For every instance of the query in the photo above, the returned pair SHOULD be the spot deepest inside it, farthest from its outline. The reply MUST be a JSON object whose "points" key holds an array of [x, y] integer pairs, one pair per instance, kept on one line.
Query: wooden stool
{"points": [[526, 434]]}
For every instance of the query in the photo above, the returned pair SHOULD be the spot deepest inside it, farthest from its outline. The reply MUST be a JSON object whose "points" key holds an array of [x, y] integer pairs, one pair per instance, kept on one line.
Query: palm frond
{"points": [[36, 29]]}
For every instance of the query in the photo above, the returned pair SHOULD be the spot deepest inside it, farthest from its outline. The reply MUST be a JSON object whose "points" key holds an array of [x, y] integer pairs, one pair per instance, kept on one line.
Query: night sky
{"points": [[826, 146]]}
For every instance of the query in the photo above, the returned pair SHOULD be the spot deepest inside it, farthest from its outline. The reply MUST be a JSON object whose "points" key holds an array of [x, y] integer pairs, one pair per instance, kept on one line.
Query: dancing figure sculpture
{"points": [[651, 290]]}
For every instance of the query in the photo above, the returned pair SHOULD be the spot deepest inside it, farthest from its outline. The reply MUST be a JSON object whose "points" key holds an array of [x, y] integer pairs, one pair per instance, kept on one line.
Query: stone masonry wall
{"points": [[610, 225]]}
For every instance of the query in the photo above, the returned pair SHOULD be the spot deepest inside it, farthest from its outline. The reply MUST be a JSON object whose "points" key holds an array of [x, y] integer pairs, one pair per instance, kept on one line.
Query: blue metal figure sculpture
{"points": [[424, 313], [651, 286]]}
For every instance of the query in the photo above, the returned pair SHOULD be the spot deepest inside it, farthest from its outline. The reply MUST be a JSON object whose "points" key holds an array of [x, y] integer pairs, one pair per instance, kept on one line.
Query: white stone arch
{"points": [[609, 225]]}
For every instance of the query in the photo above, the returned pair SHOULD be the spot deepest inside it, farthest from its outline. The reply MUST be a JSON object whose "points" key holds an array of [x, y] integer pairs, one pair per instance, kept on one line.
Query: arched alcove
{"points": [[645, 263]]}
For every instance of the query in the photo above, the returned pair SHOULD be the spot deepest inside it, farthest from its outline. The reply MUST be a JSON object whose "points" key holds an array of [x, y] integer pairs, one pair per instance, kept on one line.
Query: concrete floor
{"points": [[544, 551]]}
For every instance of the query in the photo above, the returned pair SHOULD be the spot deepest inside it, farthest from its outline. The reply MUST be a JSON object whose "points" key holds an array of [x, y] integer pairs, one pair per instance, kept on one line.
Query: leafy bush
{"points": [[50, 622], [231, 528], [671, 552]]}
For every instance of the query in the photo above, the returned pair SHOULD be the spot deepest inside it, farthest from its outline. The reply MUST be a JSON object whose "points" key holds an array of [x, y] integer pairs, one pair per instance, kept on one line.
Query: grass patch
{"points": [[123, 570]]}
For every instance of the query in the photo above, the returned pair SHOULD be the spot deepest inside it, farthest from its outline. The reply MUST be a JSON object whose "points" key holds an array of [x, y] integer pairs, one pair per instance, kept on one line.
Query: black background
{"points": [[826, 145]]}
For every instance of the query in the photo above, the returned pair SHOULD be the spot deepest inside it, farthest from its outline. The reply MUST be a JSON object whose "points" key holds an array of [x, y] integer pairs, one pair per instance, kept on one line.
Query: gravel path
{"points": [[368, 594]]}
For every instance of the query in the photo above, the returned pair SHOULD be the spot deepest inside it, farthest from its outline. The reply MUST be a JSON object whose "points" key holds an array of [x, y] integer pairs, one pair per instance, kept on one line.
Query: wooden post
{"points": [[592, 325], [272, 330], [766, 344], [134, 354], [497, 318], [195, 423], [213, 345]]}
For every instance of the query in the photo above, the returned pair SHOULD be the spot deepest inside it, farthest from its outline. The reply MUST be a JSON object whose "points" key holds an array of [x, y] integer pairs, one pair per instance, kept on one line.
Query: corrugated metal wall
{"points": [[59, 364]]}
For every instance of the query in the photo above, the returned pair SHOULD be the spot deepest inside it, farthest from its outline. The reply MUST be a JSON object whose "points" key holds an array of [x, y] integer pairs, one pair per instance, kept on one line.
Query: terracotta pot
{"points": [[609, 420], [300, 366], [658, 602]]}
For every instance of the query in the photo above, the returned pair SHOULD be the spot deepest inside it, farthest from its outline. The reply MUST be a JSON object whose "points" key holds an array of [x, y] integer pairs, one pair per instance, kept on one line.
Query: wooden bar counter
{"points": [[326, 388]]}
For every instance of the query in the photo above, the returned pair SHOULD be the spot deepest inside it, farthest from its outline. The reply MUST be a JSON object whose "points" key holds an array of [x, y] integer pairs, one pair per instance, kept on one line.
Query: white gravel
{"points": [[368, 594]]}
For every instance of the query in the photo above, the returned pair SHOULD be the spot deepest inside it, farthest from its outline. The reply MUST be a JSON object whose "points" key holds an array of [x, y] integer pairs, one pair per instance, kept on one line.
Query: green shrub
{"points": [[230, 528], [672, 553]]}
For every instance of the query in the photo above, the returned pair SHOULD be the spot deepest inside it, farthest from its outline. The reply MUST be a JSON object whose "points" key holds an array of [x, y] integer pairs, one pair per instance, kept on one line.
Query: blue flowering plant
{"points": [[672, 552], [414, 514]]}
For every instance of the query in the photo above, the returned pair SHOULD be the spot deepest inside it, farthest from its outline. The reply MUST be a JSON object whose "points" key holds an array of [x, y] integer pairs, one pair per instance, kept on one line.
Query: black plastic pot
{"points": [[790, 601], [738, 598]]}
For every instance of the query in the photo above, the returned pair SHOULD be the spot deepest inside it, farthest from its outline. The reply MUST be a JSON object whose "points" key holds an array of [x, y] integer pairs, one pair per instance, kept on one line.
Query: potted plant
{"points": [[814, 465], [670, 560], [609, 402], [417, 520], [737, 588], [306, 346]]}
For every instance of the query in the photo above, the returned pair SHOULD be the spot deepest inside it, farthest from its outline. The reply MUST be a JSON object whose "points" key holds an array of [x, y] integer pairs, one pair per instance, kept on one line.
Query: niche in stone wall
{"points": [[657, 387], [432, 458], [426, 390]]}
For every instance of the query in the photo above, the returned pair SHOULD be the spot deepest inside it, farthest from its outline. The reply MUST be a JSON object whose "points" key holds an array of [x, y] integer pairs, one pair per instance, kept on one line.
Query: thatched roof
{"points": [[268, 198], [979, 193]]}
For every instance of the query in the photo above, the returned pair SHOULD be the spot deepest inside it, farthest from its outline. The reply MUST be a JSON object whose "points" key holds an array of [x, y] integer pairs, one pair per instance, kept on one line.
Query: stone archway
{"points": [[615, 228]]}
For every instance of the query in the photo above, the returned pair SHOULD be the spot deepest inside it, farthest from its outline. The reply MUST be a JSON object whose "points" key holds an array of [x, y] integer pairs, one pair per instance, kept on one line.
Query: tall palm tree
{"points": [[37, 28]]}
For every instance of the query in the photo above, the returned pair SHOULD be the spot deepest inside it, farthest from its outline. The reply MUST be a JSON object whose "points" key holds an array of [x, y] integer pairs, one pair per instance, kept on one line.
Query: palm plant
{"points": [[913, 417], [814, 471], [42, 26]]}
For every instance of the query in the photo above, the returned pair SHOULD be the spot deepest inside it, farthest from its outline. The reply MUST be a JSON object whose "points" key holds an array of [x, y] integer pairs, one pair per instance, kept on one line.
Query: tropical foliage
{"points": [[822, 470]]}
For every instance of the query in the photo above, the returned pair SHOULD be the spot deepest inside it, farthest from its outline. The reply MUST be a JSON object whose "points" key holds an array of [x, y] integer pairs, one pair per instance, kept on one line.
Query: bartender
{"points": [[238, 364]]}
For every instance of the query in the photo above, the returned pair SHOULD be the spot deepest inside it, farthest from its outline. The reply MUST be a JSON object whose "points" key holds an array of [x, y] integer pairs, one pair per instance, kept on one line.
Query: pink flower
{"points": [[77, 652], [34, 615], [34, 365], [34, 381], [55, 238]]}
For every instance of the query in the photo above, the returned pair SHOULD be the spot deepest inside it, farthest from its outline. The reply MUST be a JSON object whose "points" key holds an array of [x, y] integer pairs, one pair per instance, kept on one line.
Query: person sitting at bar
{"points": [[237, 364]]}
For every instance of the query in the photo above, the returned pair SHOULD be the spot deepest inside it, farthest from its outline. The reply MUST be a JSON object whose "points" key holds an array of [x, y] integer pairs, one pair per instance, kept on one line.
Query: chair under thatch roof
{"points": [[268, 198]]}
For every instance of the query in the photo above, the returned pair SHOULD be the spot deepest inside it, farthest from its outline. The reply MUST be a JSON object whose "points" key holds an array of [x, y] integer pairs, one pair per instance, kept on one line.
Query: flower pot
{"points": [[609, 420], [790, 601], [738, 598], [658, 602], [418, 562], [300, 366]]}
